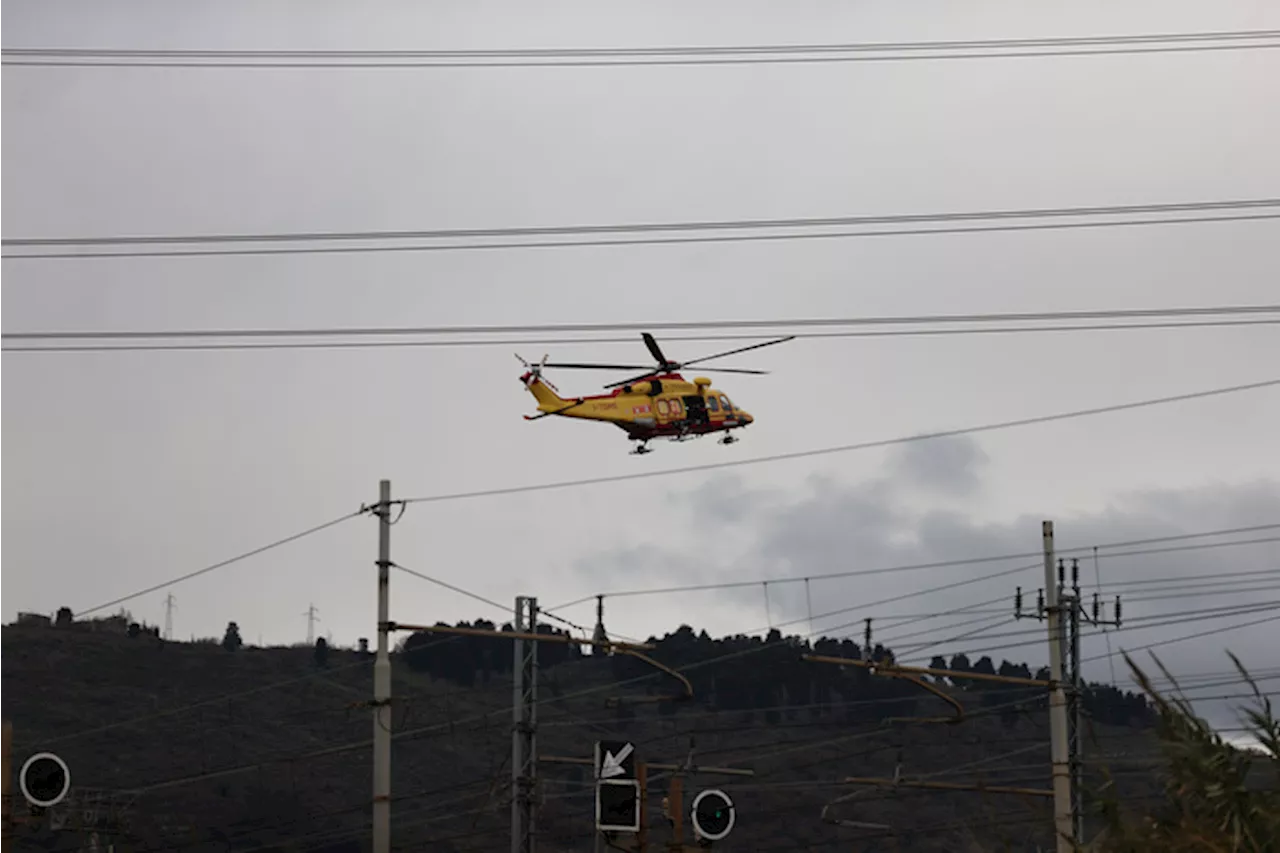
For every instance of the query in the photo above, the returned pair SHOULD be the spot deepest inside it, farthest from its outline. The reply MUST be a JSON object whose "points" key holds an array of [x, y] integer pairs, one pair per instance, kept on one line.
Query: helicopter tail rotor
{"points": [[534, 371]]}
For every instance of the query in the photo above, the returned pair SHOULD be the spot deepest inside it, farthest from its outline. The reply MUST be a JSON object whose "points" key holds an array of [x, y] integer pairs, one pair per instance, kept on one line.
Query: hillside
{"points": [[276, 755]]}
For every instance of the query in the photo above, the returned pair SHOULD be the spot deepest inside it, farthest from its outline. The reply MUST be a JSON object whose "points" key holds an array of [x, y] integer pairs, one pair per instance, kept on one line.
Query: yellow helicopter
{"points": [[659, 403]]}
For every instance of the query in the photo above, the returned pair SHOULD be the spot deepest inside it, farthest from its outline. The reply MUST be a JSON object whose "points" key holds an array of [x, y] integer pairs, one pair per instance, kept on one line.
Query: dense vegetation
{"points": [[766, 674]]}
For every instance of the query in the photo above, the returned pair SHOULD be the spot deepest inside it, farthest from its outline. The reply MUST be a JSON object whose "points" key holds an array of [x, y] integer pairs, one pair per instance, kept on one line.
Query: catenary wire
{"points": [[442, 641], [662, 55], [219, 774], [588, 230], [542, 702], [954, 563], [1172, 620], [867, 445]]}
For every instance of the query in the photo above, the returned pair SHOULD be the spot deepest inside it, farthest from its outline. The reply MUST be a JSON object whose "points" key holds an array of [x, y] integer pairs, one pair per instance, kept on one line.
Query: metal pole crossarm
{"points": [[890, 669], [654, 765], [519, 635], [947, 786]]}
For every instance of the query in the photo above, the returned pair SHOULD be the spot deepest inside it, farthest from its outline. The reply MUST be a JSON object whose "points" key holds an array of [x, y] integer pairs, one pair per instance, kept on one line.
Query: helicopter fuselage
{"points": [[663, 406]]}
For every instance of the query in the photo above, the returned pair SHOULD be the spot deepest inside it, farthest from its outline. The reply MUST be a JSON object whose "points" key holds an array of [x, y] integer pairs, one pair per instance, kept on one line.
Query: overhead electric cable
{"points": [[948, 564], [519, 234], [770, 326], [224, 563], [846, 448], [367, 344], [664, 55]]}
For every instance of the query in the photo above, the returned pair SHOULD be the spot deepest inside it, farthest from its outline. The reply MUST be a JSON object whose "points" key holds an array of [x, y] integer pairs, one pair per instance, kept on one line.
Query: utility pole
{"points": [[1062, 606], [382, 680], [524, 743], [1071, 610], [169, 604], [312, 619], [1062, 821]]}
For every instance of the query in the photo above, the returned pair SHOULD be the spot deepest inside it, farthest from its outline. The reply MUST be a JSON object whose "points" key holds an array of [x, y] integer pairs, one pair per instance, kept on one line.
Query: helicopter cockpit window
{"points": [[724, 401], [713, 404]]}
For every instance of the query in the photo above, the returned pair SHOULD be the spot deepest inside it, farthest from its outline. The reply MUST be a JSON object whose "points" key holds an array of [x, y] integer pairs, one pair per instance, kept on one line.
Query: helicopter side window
{"points": [[662, 408], [724, 401], [713, 404]]}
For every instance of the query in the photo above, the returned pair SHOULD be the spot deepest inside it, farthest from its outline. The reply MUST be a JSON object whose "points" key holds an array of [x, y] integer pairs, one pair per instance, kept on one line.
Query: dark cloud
{"points": [[830, 526], [952, 466]]}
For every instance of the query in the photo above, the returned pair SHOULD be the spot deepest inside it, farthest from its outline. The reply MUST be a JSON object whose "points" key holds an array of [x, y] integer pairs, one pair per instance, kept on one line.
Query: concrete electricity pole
{"points": [[1062, 801], [382, 681]]}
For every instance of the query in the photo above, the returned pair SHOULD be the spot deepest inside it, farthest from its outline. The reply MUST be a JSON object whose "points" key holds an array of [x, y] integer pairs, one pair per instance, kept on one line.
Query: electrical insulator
{"points": [[1117, 611], [1039, 601], [1095, 607], [1075, 572], [1062, 572], [1017, 602]]}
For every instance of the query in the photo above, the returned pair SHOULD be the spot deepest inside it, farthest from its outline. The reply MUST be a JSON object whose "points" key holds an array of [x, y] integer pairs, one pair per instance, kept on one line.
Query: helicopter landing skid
{"points": [[729, 439], [641, 449]]}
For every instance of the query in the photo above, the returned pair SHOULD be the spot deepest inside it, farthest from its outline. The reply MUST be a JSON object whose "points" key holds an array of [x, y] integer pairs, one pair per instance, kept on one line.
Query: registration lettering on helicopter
{"points": [[640, 410]]}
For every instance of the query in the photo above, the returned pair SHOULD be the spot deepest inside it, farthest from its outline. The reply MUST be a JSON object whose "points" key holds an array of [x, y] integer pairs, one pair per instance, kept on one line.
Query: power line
{"points": [[520, 234], [886, 333], [670, 55], [940, 564], [772, 326], [867, 445], [223, 564]]}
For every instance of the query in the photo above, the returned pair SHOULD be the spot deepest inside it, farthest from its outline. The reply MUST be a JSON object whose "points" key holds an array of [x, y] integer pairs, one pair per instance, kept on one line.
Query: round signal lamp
{"points": [[713, 814], [44, 780]]}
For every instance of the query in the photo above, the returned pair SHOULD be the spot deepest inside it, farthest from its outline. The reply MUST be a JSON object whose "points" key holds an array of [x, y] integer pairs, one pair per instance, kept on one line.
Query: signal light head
{"points": [[713, 814]]}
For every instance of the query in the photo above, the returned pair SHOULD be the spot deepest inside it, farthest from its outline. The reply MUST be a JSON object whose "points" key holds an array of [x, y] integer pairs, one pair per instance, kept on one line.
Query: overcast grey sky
{"points": [[128, 468]]}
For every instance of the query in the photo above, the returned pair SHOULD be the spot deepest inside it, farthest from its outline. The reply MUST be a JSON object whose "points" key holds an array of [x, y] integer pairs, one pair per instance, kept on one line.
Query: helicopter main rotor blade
{"points": [[733, 370], [674, 368], [653, 349], [740, 349], [574, 365]]}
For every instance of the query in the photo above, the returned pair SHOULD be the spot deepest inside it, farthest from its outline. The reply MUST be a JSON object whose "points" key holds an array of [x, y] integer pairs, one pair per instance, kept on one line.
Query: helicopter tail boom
{"points": [[548, 400]]}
